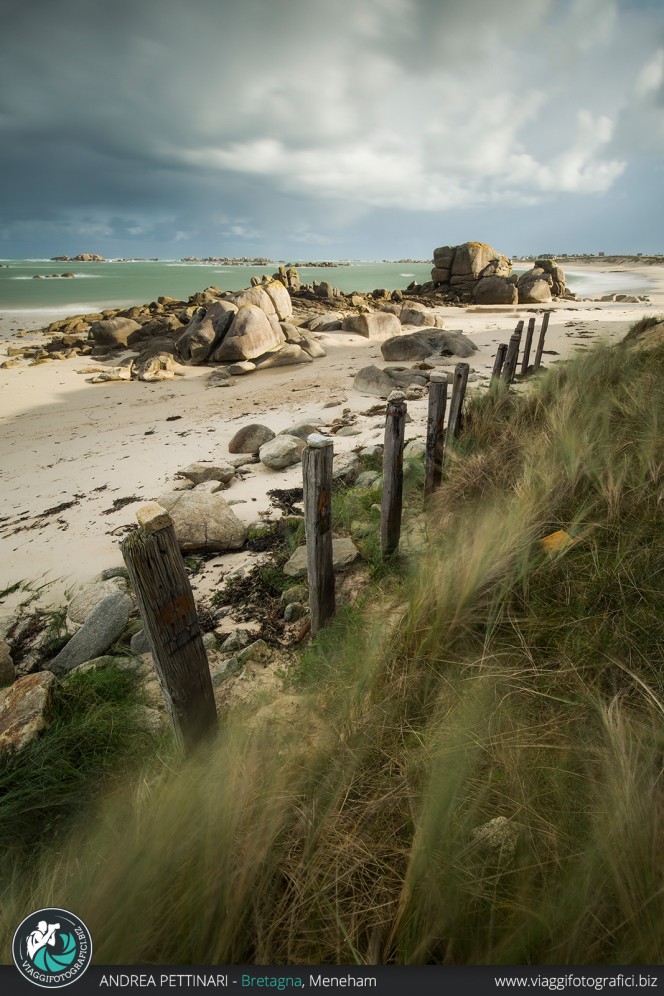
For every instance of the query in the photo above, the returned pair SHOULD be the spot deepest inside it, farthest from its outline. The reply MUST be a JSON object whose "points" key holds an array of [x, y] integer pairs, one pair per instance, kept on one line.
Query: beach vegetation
{"points": [[94, 736]]}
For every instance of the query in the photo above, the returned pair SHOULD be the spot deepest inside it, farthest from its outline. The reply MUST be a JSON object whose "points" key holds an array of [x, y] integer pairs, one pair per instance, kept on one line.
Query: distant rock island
{"points": [[83, 257]]}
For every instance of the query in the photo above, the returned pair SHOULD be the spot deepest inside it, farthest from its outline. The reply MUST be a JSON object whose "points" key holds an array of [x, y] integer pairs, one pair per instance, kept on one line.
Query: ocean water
{"points": [[110, 285], [114, 284]]}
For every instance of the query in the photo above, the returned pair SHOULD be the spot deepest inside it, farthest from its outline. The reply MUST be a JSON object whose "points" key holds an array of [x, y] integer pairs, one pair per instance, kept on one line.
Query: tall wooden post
{"points": [[509, 369], [433, 460], [498, 363], [526, 348], [166, 604], [540, 345], [317, 457], [459, 383], [392, 499]]}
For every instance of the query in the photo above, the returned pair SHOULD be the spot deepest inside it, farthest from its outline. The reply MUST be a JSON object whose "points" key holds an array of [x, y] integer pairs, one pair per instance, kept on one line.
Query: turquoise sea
{"points": [[118, 284]]}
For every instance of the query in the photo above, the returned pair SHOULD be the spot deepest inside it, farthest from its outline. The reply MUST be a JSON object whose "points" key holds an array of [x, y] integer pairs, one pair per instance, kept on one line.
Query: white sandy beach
{"points": [[64, 440]]}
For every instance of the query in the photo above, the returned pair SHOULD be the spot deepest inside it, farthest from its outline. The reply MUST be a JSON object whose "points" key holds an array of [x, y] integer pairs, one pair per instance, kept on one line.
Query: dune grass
{"points": [[500, 680]]}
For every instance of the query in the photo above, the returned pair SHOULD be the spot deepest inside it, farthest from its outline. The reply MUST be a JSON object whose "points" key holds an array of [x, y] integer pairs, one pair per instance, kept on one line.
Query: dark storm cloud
{"points": [[271, 126]]}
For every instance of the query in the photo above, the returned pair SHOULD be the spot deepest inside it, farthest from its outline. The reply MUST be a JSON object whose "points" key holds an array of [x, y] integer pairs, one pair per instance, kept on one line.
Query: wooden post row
{"points": [[317, 458], [498, 362], [166, 604], [435, 441], [459, 383], [526, 348], [540, 345], [391, 502], [509, 368]]}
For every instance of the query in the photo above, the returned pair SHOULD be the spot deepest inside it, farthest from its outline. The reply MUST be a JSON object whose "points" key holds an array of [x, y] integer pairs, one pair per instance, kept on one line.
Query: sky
{"points": [[372, 129]]}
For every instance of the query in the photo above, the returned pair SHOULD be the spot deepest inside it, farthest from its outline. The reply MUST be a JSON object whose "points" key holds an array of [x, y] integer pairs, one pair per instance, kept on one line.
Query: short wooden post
{"points": [[317, 458], [498, 363], [526, 348], [540, 344], [391, 502], [433, 459], [166, 604], [459, 383], [509, 368]]}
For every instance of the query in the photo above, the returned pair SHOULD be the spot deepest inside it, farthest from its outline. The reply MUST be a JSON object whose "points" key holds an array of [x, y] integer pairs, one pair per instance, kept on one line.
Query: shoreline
{"points": [[67, 441]]}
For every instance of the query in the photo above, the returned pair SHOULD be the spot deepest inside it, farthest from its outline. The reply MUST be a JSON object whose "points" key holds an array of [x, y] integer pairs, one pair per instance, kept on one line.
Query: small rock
{"points": [[101, 628], [294, 611], [7, 670], [222, 671], [198, 473], [368, 479], [151, 719], [241, 368], [372, 326], [24, 709], [286, 355], [250, 438], [220, 378], [295, 593], [203, 521], [139, 643], [414, 450], [114, 572], [346, 468], [499, 835], [113, 373], [257, 651], [86, 600], [281, 452], [344, 553], [303, 429], [155, 368], [237, 640], [373, 381], [375, 450], [209, 641]]}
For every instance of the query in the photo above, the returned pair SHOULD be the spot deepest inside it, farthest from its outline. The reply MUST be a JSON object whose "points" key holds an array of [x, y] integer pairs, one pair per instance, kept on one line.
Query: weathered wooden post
{"points": [[391, 502], [526, 348], [433, 458], [540, 344], [459, 383], [166, 604], [509, 367], [498, 363], [317, 457]]}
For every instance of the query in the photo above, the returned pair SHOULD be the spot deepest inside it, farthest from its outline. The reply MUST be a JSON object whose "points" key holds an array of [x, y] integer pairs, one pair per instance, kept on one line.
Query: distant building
{"points": [[601, 254]]}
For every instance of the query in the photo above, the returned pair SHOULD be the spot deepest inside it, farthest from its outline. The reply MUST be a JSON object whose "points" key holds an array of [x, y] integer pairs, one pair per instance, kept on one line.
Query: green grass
{"points": [[93, 733], [497, 680]]}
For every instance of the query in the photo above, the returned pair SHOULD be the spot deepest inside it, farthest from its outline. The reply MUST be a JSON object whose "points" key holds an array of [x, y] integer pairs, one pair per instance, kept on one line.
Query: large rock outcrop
{"points": [[475, 271], [543, 282], [462, 266]]}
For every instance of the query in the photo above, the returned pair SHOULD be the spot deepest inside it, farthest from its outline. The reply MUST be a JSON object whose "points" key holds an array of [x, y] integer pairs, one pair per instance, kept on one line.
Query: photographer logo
{"points": [[52, 948]]}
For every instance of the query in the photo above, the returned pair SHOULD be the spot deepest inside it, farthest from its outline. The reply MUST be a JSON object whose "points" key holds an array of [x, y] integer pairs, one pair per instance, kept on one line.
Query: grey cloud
{"points": [[298, 120]]}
